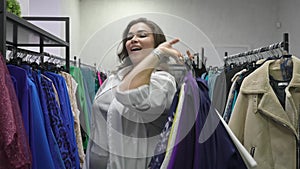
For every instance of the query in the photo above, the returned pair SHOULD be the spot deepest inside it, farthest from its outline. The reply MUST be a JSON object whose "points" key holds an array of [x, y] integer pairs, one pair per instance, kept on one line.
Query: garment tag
{"points": [[283, 84]]}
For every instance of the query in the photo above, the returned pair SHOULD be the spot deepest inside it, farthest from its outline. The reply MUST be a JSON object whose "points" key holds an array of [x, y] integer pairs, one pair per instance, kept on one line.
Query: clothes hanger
{"points": [[14, 58]]}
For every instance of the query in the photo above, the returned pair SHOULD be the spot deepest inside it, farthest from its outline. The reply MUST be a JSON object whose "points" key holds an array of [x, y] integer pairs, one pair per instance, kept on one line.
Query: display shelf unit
{"points": [[19, 32]]}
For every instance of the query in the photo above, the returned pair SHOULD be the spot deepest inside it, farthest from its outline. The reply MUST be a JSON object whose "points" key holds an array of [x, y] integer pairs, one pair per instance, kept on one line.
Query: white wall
{"points": [[71, 8], [24, 5], [66, 8], [232, 25], [289, 16]]}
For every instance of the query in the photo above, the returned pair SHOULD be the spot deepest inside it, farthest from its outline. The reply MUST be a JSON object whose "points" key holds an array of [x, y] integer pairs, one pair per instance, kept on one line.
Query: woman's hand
{"points": [[141, 73], [167, 49], [191, 57]]}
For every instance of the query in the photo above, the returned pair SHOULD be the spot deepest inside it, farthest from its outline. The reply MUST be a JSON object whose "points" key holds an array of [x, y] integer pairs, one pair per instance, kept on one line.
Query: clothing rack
{"points": [[196, 60], [31, 57], [202, 57], [284, 44], [83, 64], [86, 65], [11, 22], [25, 51]]}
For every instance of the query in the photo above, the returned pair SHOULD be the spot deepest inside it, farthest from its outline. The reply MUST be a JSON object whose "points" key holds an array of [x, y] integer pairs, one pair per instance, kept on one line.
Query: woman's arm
{"points": [[141, 73]]}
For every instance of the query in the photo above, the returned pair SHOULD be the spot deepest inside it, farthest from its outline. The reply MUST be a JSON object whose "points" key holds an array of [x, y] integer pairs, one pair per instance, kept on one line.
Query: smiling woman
{"points": [[139, 42], [131, 106], [147, 28]]}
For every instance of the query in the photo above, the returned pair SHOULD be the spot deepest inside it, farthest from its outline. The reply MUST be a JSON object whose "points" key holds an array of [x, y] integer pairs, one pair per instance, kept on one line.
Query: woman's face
{"points": [[140, 42]]}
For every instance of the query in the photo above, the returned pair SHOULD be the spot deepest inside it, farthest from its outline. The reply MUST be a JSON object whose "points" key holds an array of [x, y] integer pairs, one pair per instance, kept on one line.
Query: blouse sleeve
{"points": [[154, 98]]}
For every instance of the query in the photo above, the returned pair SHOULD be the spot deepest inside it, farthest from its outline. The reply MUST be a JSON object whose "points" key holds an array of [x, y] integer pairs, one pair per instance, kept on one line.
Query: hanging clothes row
{"points": [[193, 136], [212, 76], [16, 151], [239, 66], [48, 100], [265, 115], [47, 116], [89, 79], [216, 82]]}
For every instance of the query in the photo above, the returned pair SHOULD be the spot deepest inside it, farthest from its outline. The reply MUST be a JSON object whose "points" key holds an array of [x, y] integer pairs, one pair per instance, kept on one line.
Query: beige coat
{"points": [[267, 131]]}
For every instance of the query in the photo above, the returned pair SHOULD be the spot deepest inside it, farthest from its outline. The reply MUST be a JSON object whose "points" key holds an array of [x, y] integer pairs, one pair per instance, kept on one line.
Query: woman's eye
{"points": [[139, 35], [129, 37], [143, 35]]}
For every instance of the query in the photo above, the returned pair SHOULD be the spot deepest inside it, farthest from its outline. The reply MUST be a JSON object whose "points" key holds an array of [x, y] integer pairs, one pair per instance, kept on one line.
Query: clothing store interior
{"points": [[160, 84]]}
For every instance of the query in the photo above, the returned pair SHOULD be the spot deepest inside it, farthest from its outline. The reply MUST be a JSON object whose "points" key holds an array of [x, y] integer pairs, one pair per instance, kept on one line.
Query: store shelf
{"points": [[29, 34]]}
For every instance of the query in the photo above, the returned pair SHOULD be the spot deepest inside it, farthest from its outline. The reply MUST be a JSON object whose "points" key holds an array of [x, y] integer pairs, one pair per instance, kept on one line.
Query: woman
{"points": [[131, 107]]}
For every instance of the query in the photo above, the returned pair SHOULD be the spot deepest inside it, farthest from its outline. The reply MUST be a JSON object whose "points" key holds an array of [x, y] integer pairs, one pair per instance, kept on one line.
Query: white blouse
{"points": [[125, 126]]}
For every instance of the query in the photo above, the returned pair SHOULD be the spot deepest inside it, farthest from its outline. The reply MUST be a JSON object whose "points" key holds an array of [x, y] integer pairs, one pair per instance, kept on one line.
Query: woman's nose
{"points": [[134, 39]]}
